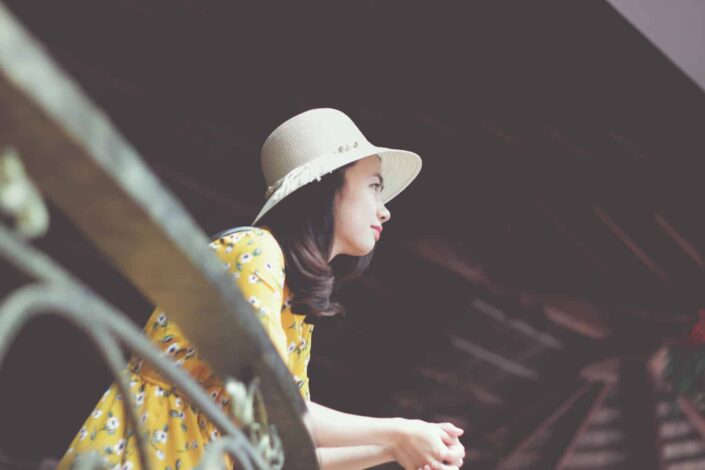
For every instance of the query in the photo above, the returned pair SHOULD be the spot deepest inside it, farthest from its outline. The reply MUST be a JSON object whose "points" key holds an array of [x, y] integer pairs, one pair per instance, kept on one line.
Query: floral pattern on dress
{"points": [[177, 433]]}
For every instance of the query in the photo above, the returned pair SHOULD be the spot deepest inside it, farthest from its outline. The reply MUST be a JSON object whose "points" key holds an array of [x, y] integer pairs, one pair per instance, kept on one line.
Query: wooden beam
{"points": [[639, 411], [518, 325], [692, 414], [584, 425], [495, 359], [631, 244], [588, 255], [606, 371], [679, 239], [442, 253], [551, 419], [578, 316]]}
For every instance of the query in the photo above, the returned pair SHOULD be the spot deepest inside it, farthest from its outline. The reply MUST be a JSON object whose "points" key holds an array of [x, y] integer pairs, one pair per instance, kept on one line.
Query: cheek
{"points": [[354, 215], [361, 211]]}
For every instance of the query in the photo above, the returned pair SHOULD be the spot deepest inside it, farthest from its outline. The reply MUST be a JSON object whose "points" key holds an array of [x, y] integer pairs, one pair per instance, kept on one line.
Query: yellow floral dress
{"points": [[178, 432]]}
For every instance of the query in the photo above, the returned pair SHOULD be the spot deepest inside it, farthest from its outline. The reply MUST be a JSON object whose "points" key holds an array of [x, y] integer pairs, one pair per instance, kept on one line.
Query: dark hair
{"points": [[303, 224]]}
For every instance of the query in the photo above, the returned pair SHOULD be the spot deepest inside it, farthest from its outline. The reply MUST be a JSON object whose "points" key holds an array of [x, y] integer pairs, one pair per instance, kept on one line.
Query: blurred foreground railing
{"points": [[71, 151]]}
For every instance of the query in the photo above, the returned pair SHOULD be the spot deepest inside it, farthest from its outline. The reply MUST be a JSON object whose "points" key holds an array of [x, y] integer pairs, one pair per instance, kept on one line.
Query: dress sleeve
{"points": [[256, 262]]}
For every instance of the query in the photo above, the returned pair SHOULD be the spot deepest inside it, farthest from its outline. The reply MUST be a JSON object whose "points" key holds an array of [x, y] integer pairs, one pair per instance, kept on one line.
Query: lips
{"points": [[377, 229]]}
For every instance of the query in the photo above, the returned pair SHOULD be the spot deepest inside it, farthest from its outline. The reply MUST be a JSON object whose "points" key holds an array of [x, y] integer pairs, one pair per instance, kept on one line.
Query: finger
{"points": [[441, 453], [449, 439], [456, 452], [451, 429], [442, 466]]}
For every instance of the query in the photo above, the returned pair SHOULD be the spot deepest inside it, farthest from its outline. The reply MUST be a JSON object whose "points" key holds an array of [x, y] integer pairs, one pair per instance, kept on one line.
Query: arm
{"points": [[337, 429], [344, 457], [352, 458], [412, 443], [255, 260], [346, 440]]}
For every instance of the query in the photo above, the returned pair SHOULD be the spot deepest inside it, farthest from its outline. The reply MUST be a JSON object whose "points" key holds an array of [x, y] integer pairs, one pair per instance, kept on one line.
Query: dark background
{"points": [[560, 195]]}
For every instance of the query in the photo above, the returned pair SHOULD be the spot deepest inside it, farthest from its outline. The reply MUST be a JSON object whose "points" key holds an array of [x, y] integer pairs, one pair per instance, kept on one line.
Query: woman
{"points": [[325, 209]]}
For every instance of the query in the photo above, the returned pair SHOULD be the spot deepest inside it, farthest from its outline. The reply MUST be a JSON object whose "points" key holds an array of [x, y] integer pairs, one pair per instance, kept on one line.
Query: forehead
{"points": [[367, 166]]}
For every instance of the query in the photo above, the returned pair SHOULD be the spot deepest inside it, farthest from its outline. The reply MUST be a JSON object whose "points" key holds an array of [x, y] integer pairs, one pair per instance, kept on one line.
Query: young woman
{"points": [[325, 211]]}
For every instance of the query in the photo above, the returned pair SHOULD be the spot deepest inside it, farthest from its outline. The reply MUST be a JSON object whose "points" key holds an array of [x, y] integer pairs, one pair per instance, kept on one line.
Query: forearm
{"points": [[352, 458], [337, 429]]}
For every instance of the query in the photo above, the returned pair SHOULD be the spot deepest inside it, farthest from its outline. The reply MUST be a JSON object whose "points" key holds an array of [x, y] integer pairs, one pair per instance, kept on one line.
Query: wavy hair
{"points": [[303, 224]]}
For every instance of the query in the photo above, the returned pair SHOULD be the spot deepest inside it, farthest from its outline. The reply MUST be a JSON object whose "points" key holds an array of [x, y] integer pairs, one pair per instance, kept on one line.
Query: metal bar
{"points": [[19, 308], [94, 317]]}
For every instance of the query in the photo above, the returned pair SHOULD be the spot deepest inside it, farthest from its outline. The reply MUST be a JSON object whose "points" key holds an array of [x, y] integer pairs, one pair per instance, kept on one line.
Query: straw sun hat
{"points": [[319, 141]]}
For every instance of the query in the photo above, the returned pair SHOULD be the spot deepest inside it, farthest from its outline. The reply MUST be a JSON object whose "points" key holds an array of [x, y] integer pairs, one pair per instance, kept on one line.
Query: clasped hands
{"points": [[428, 446]]}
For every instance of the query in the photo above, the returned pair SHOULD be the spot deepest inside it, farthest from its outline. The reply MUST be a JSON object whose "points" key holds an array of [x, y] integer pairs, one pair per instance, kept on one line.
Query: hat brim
{"points": [[398, 168]]}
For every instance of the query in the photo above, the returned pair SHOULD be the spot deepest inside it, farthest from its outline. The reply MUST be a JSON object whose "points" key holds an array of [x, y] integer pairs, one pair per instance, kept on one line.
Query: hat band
{"points": [[299, 176], [312, 170]]}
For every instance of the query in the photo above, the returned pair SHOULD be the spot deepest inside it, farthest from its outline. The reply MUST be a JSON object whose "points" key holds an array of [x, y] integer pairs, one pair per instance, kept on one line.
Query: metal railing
{"points": [[70, 149]]}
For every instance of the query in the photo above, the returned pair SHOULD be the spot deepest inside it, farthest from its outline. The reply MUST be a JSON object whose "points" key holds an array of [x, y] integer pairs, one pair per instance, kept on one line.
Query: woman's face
{"points": [[358, 209]]}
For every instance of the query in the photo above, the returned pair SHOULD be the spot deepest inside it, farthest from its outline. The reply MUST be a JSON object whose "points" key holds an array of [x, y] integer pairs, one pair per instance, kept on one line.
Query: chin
{"points": [[369, 250], [363, 250]]}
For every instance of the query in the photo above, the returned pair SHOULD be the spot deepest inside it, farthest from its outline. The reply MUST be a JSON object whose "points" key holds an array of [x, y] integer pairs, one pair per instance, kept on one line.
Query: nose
{"points": [[383, 214]]}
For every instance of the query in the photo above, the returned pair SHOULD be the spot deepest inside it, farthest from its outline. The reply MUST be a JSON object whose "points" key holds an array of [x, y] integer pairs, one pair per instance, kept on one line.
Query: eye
{"points": [[377, 186]]}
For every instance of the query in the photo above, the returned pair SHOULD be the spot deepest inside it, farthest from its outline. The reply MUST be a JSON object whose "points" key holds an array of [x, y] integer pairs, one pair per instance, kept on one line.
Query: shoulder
{"points": [[249, 244]]}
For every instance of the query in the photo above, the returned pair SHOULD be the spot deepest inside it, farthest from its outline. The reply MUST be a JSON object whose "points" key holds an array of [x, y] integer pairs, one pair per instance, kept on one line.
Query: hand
{"points": [[419, 444], [456, 450]]}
